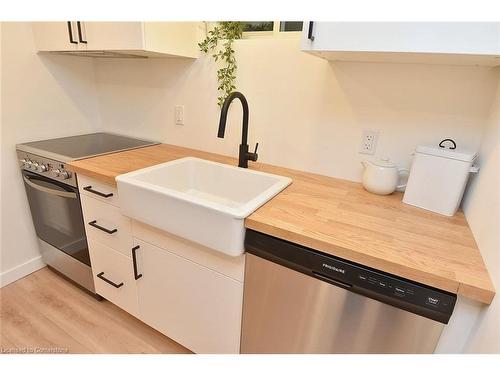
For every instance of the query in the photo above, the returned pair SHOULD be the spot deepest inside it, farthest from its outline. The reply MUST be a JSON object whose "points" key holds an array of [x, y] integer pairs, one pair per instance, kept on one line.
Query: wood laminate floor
{"points": [[45, 313]]}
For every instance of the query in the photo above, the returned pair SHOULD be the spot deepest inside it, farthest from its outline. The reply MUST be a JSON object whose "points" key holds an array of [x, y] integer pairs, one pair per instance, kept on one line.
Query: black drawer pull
{"points": [[101, 276], [89, 188], [70, 32], [134, 262], [80, 37], [108, 231]]}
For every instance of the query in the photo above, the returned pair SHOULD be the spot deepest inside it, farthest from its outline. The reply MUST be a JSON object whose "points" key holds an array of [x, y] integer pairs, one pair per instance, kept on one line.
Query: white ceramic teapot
{"points": [[381, 176]]}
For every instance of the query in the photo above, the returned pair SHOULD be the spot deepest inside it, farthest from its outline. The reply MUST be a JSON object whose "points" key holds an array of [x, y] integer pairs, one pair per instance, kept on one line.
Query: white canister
{"points": [[438, 177]]}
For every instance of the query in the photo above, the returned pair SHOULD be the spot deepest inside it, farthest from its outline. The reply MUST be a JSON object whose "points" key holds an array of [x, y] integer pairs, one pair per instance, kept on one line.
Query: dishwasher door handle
{"points": [[331, 280]]}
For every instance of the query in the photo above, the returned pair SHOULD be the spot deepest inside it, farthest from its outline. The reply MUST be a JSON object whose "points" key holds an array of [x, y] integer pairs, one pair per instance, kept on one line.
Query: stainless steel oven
{"points": [[54, 200], [57, 215]]}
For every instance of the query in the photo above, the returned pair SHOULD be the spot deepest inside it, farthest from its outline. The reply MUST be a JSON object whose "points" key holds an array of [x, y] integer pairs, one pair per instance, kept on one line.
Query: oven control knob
{"points": [[55, 172], [42, 168], [28, 164], [63, 174], [23, 162], [34, 166]]}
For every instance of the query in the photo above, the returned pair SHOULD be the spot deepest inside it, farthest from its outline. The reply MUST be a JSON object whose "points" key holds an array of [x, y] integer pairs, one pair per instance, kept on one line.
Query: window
{"points": [[257, 29], [258, 26], [291, 26]]}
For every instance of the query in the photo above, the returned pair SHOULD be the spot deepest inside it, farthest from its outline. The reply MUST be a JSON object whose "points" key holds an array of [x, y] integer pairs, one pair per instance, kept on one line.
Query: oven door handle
{"points": [[64, 194]]}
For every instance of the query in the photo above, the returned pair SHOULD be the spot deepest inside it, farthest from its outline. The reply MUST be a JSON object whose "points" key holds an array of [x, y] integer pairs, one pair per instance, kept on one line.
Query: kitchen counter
{"points": [[340, 218]]}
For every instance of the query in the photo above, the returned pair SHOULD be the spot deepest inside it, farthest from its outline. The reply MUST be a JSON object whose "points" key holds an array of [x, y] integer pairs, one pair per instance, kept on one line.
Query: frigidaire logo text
{"points": [[333, 268]]}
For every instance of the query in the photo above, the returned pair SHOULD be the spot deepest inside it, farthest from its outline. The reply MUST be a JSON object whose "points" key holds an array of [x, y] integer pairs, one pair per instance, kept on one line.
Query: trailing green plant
{"points": [[224, 32]]}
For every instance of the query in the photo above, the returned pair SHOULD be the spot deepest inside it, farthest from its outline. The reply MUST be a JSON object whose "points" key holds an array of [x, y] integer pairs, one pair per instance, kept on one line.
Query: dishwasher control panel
{"points": [[402, 293], [405, 290]]}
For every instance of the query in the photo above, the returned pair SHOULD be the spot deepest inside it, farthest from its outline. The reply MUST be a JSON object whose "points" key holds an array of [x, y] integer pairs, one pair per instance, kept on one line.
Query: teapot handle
{"points": [[402, 171]]}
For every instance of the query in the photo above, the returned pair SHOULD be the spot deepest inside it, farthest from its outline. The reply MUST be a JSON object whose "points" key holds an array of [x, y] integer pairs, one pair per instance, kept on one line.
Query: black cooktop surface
{"points": [[83, 146]]}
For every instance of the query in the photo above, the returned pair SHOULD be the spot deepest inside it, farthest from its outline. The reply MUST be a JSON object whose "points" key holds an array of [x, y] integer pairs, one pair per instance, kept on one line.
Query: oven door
{"points": [[57, 215]]}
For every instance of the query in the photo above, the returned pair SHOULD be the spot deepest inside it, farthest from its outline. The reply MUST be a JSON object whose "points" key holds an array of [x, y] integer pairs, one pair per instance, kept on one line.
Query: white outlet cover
{"points": [[369, 141]]}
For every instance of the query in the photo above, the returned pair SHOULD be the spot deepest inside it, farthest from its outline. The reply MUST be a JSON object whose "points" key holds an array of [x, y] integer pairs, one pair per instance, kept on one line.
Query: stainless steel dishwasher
{"points": [[298, 300]]}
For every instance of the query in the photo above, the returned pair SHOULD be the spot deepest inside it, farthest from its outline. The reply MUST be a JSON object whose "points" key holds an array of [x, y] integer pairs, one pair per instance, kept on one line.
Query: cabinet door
{"points": [[479, 38], [113, 35], [193, 305], [55, 36], [111, 267]]}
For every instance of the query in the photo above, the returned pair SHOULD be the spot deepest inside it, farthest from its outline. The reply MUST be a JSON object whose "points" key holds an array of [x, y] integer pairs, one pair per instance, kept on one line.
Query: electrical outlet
{"points": [[179, 114], [368, 142]]}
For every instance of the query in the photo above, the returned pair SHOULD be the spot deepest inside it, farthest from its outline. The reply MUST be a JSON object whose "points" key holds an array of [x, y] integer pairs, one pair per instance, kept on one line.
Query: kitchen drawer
{"points": [[98, 190], [114, 229], [117, 269]]}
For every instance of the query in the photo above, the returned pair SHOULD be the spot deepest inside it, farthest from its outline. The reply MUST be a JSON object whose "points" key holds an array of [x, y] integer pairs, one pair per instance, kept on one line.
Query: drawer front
{"points": [[98, 190], [111, 267], [105, 224]]}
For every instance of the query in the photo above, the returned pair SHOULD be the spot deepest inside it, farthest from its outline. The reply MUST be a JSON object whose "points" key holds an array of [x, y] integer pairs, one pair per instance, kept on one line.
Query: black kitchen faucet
{"points": [[244, 156]]}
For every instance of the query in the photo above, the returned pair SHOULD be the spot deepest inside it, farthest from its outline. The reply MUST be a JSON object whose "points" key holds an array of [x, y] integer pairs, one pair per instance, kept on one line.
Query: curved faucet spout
{"points": [[244, 154], [224, 111]]}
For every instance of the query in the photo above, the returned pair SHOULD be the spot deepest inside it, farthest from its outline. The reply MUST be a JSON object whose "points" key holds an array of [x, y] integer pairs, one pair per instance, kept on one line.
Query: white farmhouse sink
{"points": [[200, 200]]}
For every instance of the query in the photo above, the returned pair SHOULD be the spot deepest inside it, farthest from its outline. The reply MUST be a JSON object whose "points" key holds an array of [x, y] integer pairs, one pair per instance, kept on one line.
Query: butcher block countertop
{"points": [[340, 218]]}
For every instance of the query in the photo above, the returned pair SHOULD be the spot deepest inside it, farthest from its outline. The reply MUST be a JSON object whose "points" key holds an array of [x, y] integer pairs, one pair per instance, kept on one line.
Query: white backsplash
{"points": [[306, 113]]}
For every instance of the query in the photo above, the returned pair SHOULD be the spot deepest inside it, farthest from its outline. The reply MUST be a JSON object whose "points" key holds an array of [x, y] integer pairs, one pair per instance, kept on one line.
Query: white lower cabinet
{"points": [[114, 276], [190, 303], [190, 293]]}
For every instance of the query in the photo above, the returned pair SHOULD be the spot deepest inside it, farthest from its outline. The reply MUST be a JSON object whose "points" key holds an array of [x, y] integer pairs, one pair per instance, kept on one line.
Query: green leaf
{"points": [[225, 32]]}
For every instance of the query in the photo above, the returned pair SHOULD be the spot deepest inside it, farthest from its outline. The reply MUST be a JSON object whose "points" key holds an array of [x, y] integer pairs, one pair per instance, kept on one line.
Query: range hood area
{"points": [[117, 39]]}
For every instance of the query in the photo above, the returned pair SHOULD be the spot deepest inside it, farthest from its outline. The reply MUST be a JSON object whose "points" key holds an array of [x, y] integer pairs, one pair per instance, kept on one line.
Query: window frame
{"points": [[276, 33]]}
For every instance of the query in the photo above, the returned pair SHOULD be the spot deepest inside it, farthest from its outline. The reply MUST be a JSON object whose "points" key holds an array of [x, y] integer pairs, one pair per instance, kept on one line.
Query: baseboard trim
{"points": [[21, 271]]}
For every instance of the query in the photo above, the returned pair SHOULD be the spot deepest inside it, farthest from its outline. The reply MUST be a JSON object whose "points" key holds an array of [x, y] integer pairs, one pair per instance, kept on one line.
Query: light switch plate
{"points": [[179, 114]]}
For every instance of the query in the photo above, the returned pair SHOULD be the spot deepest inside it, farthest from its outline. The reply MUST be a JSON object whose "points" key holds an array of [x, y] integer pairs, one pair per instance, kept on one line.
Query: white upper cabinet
{"points": [[459, 43], [55, 36], [108, 39]]}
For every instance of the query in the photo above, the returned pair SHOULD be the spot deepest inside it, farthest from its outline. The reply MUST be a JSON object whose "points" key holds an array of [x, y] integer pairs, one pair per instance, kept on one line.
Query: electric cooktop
{"points": [[83, 146]]}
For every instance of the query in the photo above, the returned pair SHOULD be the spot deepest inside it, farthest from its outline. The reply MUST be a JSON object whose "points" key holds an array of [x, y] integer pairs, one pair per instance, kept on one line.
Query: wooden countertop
{"points": [[339, 217]]}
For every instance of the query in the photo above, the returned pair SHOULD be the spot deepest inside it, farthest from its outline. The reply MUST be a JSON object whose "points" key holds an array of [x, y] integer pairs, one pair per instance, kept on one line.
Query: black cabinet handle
{"points": [[134, 262], [310, 35], [108, 231], [80, 37], [70, 32], [89, 188], [101, 276]]}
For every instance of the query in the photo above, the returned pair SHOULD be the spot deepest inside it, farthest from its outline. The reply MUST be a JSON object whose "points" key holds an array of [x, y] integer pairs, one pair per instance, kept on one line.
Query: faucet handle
{"points": [[253, 155]]}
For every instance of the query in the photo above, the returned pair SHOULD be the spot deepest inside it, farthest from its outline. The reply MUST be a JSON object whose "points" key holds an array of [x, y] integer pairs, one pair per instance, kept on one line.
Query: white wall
{"points": [[41, 97], [306, 113], [482, 208]]}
